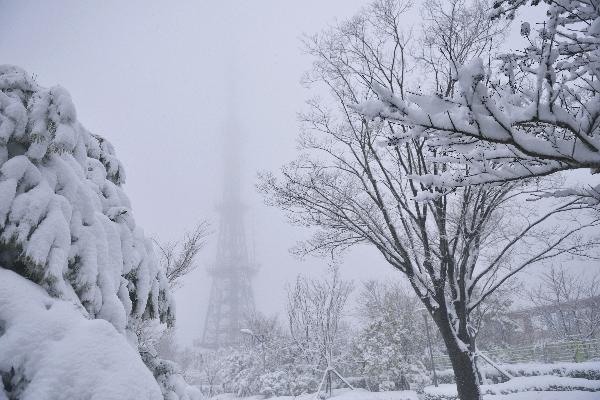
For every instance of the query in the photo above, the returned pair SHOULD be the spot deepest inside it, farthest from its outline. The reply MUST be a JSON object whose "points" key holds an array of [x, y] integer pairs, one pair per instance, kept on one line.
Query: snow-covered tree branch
{"points": [[528, 114]]}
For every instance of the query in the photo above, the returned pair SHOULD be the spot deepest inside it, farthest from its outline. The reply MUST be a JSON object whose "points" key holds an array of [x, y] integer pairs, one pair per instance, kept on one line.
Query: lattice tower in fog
{"points": [[231, 299]]}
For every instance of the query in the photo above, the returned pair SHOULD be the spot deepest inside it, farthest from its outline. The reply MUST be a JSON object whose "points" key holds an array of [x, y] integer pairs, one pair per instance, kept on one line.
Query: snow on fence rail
{"points": [[569, 351]]}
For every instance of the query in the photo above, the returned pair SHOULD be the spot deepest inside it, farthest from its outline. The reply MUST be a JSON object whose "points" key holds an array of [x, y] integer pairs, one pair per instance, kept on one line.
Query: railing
{"points": [[568, 351]]}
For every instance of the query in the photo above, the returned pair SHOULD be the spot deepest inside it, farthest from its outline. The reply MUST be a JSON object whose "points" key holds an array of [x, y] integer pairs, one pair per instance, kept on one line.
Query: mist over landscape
{"points": [[306, 199]]}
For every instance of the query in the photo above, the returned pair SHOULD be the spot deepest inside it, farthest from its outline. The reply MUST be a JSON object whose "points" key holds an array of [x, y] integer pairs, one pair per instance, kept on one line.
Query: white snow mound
{"points": [[50, 350]]}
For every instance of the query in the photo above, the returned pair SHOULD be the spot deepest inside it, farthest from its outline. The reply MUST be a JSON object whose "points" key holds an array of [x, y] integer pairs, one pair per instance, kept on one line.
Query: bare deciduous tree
{"points": [[179, 258], [315, 310], [209, 367], [569, 304], [454, 32], [492, 323], [456, 248]]}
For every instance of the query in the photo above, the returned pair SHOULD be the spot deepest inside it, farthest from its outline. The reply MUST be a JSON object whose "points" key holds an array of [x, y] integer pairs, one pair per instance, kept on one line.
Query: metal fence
{"points": [[568, 351]]}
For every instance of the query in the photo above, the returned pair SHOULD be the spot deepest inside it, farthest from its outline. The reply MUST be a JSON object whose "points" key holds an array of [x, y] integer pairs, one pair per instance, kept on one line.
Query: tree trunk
{"points": [[465, 372]]}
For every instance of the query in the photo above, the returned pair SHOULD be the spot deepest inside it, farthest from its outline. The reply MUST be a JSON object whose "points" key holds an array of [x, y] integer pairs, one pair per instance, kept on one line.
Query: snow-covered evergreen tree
{"points": [[65, 222]]}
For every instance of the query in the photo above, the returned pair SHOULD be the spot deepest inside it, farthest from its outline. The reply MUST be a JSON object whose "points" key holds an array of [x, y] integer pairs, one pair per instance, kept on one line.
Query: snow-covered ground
{"points": [[361, 394], [574, 395], [50, 350], [520, 388], [340, 394]]}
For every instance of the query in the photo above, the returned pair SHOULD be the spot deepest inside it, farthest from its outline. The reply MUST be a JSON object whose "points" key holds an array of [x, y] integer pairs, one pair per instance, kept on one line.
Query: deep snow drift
{"points": [[54, 352]]}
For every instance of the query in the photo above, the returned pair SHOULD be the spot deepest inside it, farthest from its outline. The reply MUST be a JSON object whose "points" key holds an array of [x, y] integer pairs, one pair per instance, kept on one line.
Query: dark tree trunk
{"points": [[463, 365], [464, 371]]}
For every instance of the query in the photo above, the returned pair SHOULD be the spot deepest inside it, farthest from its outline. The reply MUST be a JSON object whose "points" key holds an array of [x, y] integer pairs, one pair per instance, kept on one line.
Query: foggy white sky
{"points": [[152, 77]]}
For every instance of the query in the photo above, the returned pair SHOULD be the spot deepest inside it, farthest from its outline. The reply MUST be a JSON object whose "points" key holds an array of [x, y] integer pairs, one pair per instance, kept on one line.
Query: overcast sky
{"points": [[154, 77]]}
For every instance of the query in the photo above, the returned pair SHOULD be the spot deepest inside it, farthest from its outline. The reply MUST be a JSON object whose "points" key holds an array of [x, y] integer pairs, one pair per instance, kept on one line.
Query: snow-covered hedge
{"points": [[516, 385], [587, 370]]}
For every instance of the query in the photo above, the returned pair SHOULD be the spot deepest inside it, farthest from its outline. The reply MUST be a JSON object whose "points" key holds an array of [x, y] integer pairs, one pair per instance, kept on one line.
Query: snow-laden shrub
{"points": [[277, 369], [290, 381], [302, 379], [447, 376], [382, 349], [242, 371], [387, 386], [273, 384], [270, 363], [65, 222]]}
